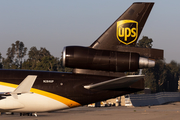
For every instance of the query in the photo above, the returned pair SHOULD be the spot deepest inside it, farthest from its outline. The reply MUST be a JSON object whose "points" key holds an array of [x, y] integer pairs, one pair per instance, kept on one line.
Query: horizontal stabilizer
{"points": [[117, 83]]}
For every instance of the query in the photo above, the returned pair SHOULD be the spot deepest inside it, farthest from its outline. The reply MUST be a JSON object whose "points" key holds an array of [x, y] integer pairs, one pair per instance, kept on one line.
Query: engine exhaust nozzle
{"points": [[146, 63]]}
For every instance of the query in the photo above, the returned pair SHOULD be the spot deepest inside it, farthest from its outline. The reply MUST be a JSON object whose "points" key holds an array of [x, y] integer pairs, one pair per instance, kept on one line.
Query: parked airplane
{"points": [[97, 75]]}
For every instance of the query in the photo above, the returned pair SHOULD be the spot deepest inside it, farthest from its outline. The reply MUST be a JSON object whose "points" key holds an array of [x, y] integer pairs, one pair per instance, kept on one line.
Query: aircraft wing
{"points": [[117, 83], [26, 84], [24, 87]]}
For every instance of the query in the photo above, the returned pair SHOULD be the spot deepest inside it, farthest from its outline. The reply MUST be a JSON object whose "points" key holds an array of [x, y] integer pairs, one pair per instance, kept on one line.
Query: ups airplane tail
{"points": [[98, 72], [126, 29], [115, 49]]}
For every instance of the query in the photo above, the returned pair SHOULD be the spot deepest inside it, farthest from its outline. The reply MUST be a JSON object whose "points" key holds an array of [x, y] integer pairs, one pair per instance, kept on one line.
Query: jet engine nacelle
{"points": [[10, 104], [88, 58]]}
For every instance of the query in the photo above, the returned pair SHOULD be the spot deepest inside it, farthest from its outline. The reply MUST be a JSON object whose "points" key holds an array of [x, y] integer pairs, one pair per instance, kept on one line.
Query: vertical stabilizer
{"points": [[126, 29]]}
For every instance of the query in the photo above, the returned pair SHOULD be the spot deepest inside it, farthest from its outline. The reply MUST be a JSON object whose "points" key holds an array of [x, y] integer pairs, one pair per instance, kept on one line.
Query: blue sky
{"points": [[54, 24]]}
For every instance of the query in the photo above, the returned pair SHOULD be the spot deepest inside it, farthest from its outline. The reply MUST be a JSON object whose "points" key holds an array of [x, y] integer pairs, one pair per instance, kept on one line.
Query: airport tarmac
{"points": [[162, 112]]}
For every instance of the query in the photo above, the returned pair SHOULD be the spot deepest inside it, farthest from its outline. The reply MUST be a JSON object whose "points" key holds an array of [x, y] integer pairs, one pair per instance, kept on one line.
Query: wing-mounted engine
{"points": [[105, 60]]}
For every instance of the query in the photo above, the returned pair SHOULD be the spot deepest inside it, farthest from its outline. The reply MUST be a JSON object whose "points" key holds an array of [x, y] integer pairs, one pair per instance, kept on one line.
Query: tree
{"points": [[1, 58], [41, 60], [163, 77], [37, 59], [35, 54], [154, 77], [174, 68], [48, 63], [27, 64], [145, 42], [33, 58], [8, 62], [15, 54], [20, 51]]}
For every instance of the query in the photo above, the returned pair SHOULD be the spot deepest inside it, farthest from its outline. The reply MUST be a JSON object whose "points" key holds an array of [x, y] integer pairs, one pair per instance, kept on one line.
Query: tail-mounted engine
{"points": [[105, 60]]}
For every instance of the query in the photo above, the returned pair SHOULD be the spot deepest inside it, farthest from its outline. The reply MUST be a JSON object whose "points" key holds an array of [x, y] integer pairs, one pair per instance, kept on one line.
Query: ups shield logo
{"points": [[127, 31]]}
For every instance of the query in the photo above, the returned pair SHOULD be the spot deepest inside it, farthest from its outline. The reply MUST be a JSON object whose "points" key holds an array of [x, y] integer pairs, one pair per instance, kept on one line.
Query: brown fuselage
{"points": [[69, 85]]}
